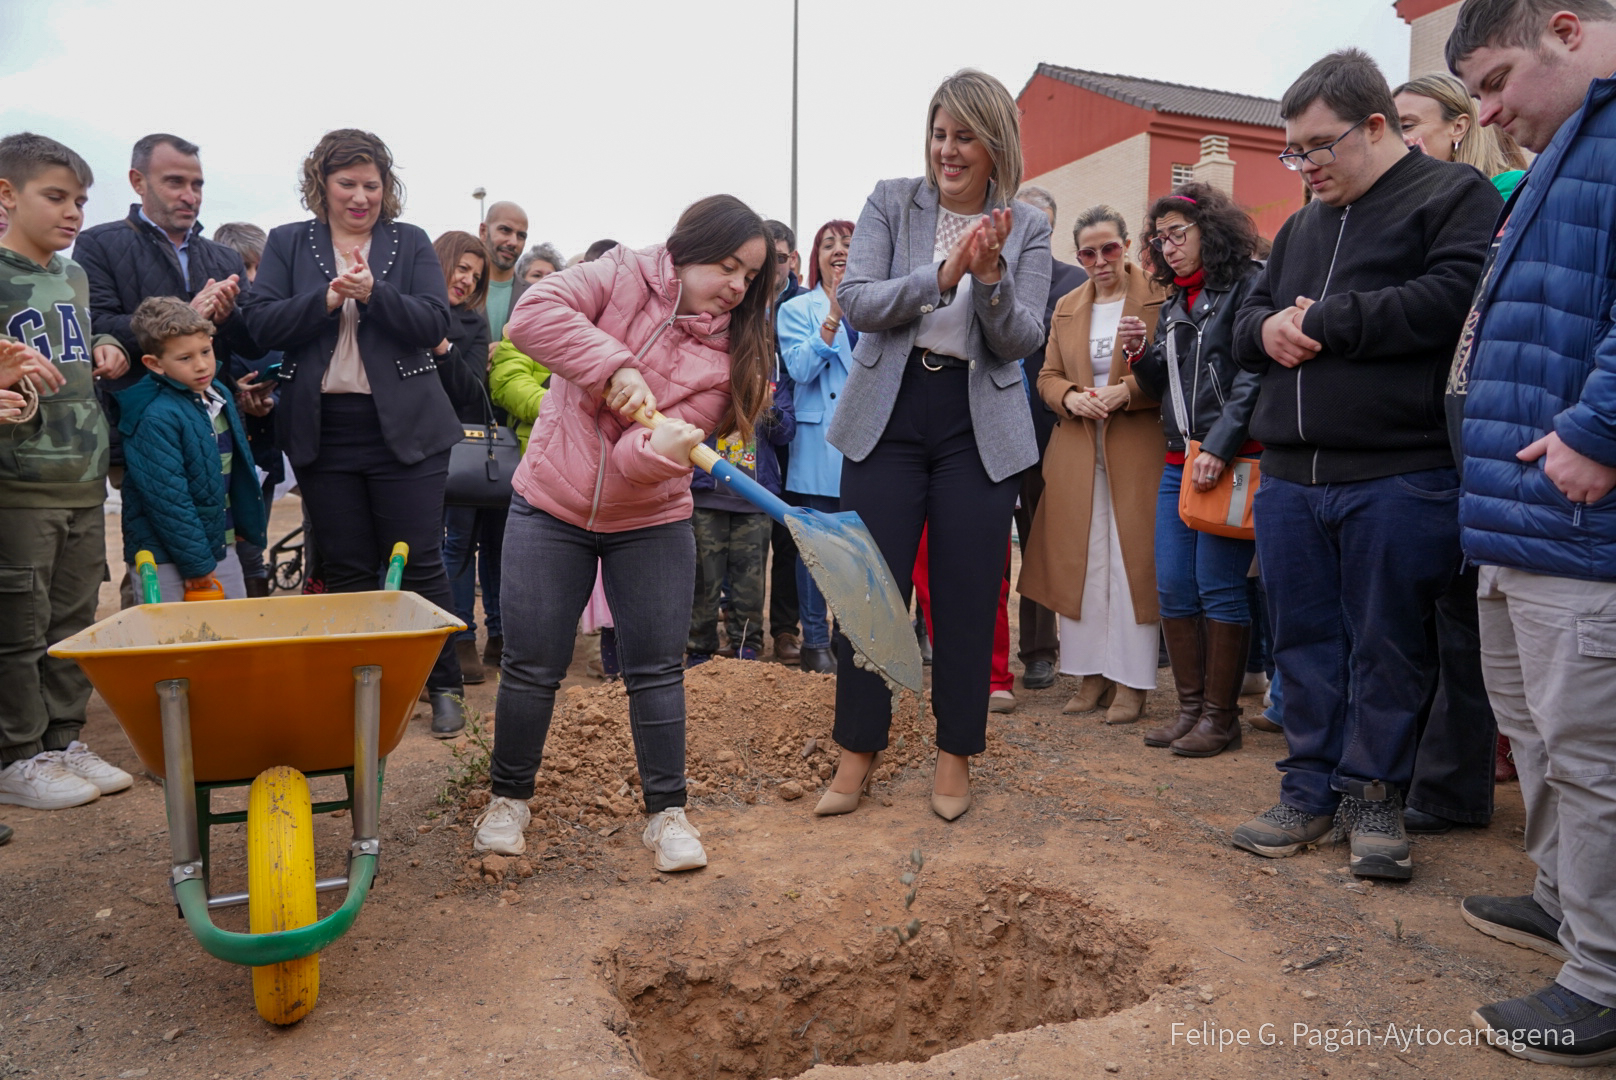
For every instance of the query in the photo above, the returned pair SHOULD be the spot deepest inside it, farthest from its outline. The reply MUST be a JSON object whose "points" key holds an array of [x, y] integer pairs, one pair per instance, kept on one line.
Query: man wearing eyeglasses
{"points": [[1352, 326]]}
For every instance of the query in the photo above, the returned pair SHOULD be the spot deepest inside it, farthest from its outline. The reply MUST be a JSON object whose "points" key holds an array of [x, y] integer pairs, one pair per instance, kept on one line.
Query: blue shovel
{"points": [[840, 553]]}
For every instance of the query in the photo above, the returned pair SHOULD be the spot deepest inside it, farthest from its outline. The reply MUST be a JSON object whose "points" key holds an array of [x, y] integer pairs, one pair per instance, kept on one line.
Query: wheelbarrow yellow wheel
{"points": [[280, 888]]}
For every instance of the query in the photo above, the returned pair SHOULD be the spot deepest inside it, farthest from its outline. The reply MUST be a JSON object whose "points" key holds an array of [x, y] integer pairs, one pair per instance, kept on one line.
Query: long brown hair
{"points": [[338, 150], [712, 230], [450, 247]]}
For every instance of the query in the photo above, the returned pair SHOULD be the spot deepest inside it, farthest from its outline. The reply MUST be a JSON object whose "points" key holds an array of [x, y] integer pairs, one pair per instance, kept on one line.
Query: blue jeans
{"points": [[466, 531], [649, 575], [1352, 573], [1197, 573], [810, 601]]}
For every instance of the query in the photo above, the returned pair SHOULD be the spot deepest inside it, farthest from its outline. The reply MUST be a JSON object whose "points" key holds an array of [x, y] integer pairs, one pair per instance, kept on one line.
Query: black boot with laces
{"points": [[1374, 822]]}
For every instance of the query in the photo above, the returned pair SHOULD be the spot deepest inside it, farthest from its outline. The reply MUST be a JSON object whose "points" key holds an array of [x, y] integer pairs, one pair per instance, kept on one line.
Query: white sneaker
{"points": [[42, 782], [85, 763], [673, 839], [500, 825]]}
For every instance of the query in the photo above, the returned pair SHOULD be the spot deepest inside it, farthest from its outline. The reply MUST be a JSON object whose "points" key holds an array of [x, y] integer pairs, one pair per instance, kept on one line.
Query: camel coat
{"points": [[1056, 563]]}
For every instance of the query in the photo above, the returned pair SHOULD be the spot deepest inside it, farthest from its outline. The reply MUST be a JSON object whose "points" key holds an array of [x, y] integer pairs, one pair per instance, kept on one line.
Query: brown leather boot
{"points": [[1186, 650], [1219, 729]]}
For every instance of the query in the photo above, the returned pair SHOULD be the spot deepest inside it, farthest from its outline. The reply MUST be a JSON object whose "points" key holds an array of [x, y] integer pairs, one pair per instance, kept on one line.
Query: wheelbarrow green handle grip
{"points": [[708, 460], [257, 950], [395, 567], [146, 567]]}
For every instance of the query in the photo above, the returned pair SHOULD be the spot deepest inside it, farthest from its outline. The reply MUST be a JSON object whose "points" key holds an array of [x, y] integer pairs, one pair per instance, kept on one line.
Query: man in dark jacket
{"points": [[159, 250], [1040, 633], [1535, 376], [1351, 326]]}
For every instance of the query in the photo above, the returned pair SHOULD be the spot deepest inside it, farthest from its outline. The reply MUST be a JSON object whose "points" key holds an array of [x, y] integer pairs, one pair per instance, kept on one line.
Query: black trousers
{"points": [[1040, 633], [1458, 735], [927, 468], [362, 500]]}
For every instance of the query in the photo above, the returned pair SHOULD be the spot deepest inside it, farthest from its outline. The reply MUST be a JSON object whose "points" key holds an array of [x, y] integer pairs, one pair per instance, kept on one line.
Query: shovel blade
{"points": [[846, 564]]}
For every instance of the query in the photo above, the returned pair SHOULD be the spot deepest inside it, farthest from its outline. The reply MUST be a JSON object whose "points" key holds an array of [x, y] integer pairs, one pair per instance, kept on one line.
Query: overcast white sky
{"points": [[601, 117]]}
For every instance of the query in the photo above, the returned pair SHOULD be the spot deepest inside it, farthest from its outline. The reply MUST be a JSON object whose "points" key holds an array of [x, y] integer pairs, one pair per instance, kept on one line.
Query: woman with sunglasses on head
{"points": [[1204, 245], [946, 282], [1089, 558]]}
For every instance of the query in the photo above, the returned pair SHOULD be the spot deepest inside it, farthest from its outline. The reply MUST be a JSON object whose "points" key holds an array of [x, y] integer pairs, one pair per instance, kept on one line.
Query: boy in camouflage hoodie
{"points": [[53, 477]]}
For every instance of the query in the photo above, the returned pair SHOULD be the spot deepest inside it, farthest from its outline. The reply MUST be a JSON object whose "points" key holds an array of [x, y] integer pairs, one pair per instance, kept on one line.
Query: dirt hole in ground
{"points": [[834, 987]]}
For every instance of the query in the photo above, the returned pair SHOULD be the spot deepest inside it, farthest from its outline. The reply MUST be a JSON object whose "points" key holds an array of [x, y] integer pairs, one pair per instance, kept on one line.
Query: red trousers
{"points": [[1001, 678]]}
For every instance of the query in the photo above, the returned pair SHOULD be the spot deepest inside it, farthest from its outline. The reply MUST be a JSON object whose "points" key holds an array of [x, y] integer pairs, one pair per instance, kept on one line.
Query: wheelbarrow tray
{"points": [[271, 681]]}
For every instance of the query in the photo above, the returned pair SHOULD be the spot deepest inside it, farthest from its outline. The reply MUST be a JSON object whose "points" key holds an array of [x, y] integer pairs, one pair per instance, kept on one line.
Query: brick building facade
{"points": [[1093, 138]]}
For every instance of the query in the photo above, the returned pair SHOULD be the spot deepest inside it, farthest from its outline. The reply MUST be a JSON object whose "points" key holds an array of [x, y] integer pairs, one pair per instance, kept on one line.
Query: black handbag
{"points": [[483, 462]]}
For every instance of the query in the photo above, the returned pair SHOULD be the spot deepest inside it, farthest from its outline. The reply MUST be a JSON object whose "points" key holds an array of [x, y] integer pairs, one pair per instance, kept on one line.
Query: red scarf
{"points": [[1192, 287]]}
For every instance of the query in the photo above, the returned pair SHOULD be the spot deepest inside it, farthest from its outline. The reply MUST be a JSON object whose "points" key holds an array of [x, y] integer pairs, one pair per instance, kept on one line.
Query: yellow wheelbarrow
{"points": [[255, 693]]}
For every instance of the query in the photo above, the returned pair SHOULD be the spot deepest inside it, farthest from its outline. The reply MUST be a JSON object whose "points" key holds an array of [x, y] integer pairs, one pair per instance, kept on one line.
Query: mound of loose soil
{"points": [[755, 731]]}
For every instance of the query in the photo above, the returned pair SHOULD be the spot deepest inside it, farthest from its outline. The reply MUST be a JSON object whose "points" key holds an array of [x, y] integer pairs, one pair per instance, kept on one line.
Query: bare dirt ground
{"points": [[1082, 920]]}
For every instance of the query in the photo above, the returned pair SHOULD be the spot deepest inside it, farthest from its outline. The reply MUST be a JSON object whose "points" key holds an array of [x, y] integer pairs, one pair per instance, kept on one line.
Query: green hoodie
{"points": [[58, 459]]}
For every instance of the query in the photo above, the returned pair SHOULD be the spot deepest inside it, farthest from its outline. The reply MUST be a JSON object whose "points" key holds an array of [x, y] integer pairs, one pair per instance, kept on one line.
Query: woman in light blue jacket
{"points": [[818, 350]]}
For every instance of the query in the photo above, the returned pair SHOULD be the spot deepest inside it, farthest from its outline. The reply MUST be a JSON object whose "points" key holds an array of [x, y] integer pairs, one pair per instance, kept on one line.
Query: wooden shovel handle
{"points": [[702, 456]]}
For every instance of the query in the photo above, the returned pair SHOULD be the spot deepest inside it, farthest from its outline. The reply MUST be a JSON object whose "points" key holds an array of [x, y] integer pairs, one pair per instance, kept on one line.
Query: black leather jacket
{"points": [[1219, 395]]}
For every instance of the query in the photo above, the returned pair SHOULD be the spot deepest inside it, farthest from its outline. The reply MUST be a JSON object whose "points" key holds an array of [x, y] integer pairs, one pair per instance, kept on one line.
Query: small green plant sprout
{"points": [[469, 758], [907, 932], [1398, 924]]}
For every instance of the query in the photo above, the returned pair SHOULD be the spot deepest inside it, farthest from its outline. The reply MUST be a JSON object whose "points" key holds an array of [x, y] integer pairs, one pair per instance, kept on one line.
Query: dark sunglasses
{"points": [[1106, 253]]}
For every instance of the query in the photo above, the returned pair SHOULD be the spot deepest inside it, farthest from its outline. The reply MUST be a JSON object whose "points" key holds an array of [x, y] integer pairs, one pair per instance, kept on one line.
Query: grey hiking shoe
{"points": [[1374, 823], [1519, 920], [1280, 831], [1555, 1026]]}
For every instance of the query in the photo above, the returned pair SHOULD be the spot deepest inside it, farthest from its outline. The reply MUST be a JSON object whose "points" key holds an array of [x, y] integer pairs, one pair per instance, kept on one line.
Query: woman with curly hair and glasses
{"points": [[1204, 245], [356, 300]]}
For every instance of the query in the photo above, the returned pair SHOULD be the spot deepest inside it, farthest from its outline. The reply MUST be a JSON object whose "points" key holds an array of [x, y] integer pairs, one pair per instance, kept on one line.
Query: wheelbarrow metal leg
{"points": [[367, 744], [179, 784]]}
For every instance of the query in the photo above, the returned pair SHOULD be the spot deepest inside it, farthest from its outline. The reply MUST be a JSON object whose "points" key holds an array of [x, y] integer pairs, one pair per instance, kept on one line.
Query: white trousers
{"points": [[1106, 640]]}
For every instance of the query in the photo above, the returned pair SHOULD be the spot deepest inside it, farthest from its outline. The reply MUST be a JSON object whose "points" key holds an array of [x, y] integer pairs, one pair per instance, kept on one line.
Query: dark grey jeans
{"points": [[649, 576]]}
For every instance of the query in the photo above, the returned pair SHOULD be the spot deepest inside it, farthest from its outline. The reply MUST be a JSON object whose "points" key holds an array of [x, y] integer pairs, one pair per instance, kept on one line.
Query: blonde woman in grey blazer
{"points": [[946, 283]]}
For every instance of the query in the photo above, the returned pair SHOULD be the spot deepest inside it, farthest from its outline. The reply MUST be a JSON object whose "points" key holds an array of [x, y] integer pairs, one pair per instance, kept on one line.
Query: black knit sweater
{"points": [[1393, 275]]}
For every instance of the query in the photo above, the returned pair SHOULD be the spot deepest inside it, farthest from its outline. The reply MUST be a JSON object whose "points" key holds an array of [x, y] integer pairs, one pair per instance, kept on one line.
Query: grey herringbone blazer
{"points": [[891, 281]]}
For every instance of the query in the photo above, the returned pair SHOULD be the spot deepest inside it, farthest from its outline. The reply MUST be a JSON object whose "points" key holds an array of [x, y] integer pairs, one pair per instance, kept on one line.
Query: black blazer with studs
{"points": [[406, 316]]}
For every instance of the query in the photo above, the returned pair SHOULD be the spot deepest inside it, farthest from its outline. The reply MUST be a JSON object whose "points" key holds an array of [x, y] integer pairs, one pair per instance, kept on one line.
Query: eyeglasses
{"points": [[1174, 235], [1319, 155], [782, 257], [1106, 253]]}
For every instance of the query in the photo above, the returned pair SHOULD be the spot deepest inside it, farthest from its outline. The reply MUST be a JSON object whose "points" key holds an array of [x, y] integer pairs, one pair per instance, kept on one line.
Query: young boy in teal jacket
{"points": [[189, 483]]}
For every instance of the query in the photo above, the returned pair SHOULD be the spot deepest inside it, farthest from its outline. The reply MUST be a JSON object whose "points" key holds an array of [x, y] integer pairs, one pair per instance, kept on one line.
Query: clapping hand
{"points": [[356, 283], [990, 233], [19, 361], [217, 299]]}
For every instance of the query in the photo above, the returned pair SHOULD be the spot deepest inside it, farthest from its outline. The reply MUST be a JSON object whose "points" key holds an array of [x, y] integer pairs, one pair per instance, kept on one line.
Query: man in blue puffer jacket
{"points": [[189, 483], [1535, 375]]}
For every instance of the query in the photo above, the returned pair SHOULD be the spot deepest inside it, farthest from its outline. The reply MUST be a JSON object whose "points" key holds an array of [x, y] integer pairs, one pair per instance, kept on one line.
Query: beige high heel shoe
{"points": [[840, 802], [949, 807]]}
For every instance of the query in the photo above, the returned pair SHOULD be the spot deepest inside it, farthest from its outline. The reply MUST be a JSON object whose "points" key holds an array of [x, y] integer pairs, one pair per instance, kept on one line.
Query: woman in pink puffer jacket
{"points": [[681, 327]]}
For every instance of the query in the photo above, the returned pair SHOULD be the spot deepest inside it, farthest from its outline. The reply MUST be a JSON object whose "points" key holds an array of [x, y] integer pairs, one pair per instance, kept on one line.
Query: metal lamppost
{"points": [[794, 5], [480, 194]]}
